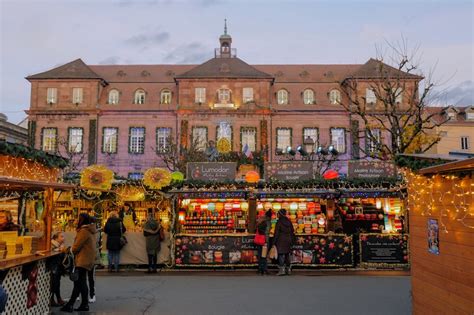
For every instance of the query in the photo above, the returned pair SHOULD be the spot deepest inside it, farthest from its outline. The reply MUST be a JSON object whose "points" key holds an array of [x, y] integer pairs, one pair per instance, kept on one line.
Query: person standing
{"points": [[114, 229], [284, 239], [57, 246], [263, 228], [84, 257], [151, 231], [98, 262]]}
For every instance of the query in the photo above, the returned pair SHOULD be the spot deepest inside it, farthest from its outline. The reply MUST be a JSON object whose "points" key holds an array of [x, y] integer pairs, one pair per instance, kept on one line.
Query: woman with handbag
{"points": [[83, 250], [262, 240], [284, 239], [153, 238], [115, 231]]}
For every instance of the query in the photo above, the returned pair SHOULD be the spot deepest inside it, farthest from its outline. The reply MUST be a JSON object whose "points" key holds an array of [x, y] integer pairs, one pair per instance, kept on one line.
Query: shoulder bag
{"points": [[123, 239]]}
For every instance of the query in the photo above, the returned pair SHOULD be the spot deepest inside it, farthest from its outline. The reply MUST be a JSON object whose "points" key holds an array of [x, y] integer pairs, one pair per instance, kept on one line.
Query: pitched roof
{"points": [[377, 69], [439, 114], [309, 72], [76, 69], [140, 73], [224, 68]]}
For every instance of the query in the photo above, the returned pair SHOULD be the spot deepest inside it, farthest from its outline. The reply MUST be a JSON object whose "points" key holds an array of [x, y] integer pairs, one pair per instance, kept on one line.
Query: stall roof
{"points": [[463, 165], [8, 183]]}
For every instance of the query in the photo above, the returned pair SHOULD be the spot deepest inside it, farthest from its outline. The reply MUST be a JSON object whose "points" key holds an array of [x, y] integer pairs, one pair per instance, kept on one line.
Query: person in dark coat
{"points": [[151, 231], [114, 229], [283, 240], [263, 228]]}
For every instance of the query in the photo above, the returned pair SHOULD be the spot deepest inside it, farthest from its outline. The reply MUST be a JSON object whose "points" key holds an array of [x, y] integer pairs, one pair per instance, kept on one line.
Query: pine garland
{"points": [[18, 150]]}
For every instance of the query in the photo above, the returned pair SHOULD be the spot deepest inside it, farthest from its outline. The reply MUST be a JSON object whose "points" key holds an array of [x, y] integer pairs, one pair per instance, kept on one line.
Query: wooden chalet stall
{"points": [[442, 238]]}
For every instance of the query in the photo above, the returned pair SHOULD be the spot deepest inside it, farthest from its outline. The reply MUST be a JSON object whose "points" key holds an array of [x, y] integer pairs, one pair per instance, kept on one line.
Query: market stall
{"points": [[26, 174]]}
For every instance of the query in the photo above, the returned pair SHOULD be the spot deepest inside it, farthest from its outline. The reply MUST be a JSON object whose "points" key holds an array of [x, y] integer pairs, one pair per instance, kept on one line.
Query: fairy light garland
{"points": [[448, 197]]}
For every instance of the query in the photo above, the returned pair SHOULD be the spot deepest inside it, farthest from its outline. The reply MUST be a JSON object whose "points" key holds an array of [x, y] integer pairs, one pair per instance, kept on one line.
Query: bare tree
{"points": [[175, 158], [74, 153], [385, 97]]}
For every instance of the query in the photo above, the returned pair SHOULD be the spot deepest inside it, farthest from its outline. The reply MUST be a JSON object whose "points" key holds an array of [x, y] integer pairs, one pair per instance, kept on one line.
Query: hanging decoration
{"points": [[177, 177], [252, 177], [96, 178], [156, 178], [224, 145], [331, 174], [130, 193]]}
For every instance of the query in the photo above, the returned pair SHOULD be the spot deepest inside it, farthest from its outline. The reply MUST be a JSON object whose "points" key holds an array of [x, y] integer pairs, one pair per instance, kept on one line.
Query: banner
{"points": [[233, 250], [371, 169], [383, 249], [289, 171], [211, 171]]}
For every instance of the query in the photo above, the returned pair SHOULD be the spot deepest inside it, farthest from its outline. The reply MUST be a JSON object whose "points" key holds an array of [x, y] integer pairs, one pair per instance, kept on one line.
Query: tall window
{"points": [[338, 139], [224, 95], [52, 95], [311, 133], [308, 97], [398, 95], [335, 97], [163, 138], [49, 139], [139, 97], [77, 95], [200, 95], [283, 139], [465, 145], [282, 97], [165, 97], [110, 140], [370, 97], [135, 176], [137, 140], [247, 95], [224, 131], [75, 139], [373, 140], [199, 137], [248, 136], [114, 97]]}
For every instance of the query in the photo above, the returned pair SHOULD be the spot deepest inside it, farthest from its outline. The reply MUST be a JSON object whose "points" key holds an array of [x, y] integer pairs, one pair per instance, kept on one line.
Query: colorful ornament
{"points": [[331, 174], [96, 177], [252, 177], [177, 176], [156, 178]]}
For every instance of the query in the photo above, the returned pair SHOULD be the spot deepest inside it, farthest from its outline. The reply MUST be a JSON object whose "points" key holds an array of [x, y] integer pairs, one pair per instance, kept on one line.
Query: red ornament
{"points": [[252, 177], [331, 174]]}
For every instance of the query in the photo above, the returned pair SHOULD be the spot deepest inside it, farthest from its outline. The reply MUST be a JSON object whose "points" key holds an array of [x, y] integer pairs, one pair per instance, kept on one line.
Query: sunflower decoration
{"points": [[223, 145], [96, 177], [156, 178]]}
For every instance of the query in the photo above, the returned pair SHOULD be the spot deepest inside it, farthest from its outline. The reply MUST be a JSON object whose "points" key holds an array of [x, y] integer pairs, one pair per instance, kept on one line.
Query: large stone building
{"points": [[124, 116], [12, 133]]}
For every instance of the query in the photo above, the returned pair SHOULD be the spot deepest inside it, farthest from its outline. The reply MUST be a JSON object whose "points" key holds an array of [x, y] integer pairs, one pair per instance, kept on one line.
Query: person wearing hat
{"points": [[283, 240]]}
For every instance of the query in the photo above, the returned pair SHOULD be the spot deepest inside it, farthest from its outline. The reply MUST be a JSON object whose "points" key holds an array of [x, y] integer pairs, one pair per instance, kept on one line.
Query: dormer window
{"points": [[469, 113], [308, 97], [452, 115], [165, 97], [114, 97], [282, 97], [139, 97]]}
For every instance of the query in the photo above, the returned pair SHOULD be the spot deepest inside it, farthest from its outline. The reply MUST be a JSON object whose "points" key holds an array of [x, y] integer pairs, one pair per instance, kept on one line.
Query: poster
{"points": [[383, 249], [233, 250], [288, 171], [433, 236], [211, 171]]}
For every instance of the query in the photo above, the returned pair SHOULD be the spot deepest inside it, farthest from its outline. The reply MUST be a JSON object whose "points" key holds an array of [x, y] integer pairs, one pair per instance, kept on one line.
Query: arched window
{"points": [[308, 97], [114, 97], [139, 97], [165, 97], [335, 97], [282, 97]]}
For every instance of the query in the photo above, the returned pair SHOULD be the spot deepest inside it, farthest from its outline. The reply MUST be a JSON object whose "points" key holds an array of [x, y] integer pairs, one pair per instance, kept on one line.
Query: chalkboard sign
{"points": [[233, 250], [211, 171], [383, 249]]}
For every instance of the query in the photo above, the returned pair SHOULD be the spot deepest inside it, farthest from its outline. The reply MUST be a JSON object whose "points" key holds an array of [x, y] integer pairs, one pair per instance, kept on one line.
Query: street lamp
{"points": [[290, 151]]}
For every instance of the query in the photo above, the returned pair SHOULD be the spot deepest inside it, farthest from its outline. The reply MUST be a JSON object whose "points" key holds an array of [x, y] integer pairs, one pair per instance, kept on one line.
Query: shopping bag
{"points": [[264, 251], [273, 252]]}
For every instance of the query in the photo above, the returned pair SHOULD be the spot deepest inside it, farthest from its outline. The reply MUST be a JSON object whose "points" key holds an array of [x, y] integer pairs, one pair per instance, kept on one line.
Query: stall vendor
{"points": [[6, 221], [128, 216]]}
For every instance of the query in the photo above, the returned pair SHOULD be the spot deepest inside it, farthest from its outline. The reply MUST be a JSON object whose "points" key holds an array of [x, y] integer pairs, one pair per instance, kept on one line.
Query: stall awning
{"points": [[7, 183], [458, 166]]}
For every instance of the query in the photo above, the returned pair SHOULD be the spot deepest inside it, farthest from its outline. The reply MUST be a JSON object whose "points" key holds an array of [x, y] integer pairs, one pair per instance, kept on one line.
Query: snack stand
{"points": [[26, 173]]}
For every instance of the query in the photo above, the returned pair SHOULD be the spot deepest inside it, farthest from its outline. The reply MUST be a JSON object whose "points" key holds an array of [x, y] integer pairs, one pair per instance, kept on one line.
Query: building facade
{"points": [[127, 116], [12, 133]]}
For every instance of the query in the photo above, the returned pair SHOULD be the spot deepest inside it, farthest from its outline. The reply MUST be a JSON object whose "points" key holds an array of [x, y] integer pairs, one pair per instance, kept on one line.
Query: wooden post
{"points": [[48, 219], [252, 214]]}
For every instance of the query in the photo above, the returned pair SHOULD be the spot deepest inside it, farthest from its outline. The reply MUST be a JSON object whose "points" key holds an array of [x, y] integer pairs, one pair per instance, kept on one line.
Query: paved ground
{"points": [[244, 293]]}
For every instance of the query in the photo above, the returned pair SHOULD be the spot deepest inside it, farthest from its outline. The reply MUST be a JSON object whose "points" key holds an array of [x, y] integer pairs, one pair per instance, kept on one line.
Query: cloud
{"points": [[112, 60], [461, 94], [193, 52], [155, 38]]}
